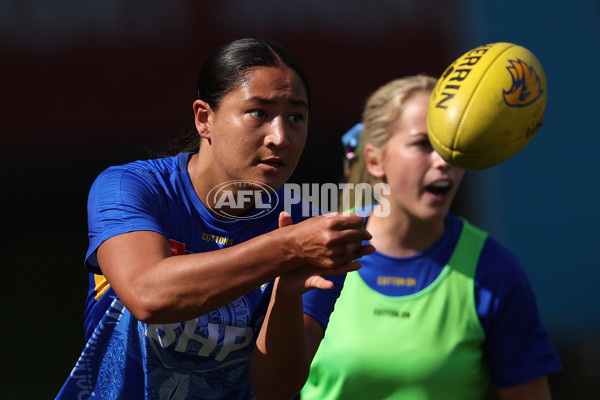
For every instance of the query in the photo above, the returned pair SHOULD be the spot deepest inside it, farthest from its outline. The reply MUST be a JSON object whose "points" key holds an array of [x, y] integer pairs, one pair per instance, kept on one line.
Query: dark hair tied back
{"points": [[226, 69]]}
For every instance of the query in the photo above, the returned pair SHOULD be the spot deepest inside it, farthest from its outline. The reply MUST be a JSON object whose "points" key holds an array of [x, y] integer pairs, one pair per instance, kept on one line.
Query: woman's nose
{"points": [[277, 135], [438, 160]]}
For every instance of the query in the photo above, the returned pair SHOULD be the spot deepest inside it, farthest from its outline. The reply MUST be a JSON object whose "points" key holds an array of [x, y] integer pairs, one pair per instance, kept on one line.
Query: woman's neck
{"points": [[200, 176], [401, 235], [205, 179]]}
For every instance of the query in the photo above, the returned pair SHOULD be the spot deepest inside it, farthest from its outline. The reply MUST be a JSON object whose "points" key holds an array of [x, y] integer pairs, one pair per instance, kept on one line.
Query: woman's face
{"points": [[259, 130], [422, 184]]}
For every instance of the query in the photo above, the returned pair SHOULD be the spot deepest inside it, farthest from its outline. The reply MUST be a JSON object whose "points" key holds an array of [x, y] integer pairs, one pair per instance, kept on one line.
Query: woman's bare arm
{"points": [[159, 288]]}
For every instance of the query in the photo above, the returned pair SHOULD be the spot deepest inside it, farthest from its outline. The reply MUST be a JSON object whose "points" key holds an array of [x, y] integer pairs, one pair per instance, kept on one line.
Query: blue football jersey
{"points": [[204, 358]]}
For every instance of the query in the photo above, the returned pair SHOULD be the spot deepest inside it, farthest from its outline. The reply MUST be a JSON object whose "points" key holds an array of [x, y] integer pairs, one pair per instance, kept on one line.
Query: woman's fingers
{"points": [[328, 241], [285, 219]]}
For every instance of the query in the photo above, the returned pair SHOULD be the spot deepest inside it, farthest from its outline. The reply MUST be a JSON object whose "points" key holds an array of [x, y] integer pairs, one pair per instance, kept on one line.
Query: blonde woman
{"points": [[440, 308]]}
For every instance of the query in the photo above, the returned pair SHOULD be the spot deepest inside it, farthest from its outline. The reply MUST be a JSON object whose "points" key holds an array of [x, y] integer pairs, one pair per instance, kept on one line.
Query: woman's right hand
{"points": [[327, 241]]}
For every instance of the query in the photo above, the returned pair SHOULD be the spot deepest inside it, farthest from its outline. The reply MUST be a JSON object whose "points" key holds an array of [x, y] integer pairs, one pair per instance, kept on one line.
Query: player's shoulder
{"points": [[498, 256], [494, 255], [500, 267], [497, 263], [139, 170], [153, 165]]}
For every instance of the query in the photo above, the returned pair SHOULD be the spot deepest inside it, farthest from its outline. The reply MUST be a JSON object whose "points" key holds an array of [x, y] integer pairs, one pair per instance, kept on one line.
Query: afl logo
{"points": [[526, 86], [227, 198]]}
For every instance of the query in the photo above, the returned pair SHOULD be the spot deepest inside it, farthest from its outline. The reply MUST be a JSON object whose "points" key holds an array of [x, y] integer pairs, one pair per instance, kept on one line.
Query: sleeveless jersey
{"points": [[427, 345]]}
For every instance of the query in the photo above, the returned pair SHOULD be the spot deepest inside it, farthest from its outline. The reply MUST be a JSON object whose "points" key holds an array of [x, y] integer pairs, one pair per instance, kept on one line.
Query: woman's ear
{"points": [[202, 113], [373, 161]]}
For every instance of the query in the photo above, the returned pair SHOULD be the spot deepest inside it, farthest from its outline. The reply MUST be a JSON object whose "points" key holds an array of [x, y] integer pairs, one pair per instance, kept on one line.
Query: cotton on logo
{"points": [[237, 195]]}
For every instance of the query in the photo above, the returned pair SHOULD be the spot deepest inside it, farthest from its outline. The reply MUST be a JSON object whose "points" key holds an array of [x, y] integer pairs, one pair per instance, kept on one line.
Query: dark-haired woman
{"points": [[198, 296]]}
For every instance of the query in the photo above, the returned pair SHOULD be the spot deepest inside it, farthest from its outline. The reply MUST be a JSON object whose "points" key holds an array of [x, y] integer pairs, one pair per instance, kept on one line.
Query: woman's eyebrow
{"points": [[262, 100]]}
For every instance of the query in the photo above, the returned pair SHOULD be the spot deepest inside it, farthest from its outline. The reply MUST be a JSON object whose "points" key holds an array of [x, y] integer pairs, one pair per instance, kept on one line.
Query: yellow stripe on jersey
{"points": [[102, 285]]}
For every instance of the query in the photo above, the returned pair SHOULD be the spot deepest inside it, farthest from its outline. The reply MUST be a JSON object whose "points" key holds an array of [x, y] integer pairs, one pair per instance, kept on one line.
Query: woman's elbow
{"points": [[145, 306]]}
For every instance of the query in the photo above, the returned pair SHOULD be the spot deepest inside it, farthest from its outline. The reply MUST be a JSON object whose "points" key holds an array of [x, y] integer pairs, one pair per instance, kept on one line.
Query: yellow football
{"points": [[487, 106]]}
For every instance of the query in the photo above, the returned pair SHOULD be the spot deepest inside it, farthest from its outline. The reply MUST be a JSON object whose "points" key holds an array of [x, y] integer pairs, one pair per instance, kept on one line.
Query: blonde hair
{"points": [[382, 110]]}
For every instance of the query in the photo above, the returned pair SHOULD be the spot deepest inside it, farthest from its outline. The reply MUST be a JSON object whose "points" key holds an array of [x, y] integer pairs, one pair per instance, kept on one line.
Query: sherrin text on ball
{"points": [[487, 105]]}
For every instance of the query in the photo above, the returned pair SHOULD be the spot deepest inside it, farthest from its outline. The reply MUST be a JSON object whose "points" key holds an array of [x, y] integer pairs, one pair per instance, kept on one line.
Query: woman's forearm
{"points": [[280, 362]]}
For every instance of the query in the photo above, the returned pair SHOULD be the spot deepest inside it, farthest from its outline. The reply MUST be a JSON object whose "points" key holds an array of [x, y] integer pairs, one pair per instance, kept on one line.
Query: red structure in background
{"points": [[88, 89]]}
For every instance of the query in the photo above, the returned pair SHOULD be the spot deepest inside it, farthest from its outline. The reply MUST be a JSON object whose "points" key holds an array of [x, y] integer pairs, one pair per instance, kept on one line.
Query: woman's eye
{"points": [[296, 118], [258, 114], [424, 144]]}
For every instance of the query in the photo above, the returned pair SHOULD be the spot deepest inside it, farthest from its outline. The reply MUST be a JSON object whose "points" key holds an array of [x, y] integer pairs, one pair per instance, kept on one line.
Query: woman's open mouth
{"points": [[439, 189]]}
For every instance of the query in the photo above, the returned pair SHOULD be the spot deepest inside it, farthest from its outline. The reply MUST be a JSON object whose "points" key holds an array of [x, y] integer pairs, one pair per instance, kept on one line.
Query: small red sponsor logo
{"points": [[177, 248]]}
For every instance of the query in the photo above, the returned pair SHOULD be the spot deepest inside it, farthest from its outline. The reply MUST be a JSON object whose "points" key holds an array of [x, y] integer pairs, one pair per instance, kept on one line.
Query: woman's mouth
{"points": [[439, 189], [271, 164]]}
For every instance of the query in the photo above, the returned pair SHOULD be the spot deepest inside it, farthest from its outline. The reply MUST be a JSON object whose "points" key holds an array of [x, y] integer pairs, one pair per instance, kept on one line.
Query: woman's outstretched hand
{"points": [[331, 246]]}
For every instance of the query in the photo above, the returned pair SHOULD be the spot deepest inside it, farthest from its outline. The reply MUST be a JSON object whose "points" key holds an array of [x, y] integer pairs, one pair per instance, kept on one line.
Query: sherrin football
{"points": [[487, 106]]}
